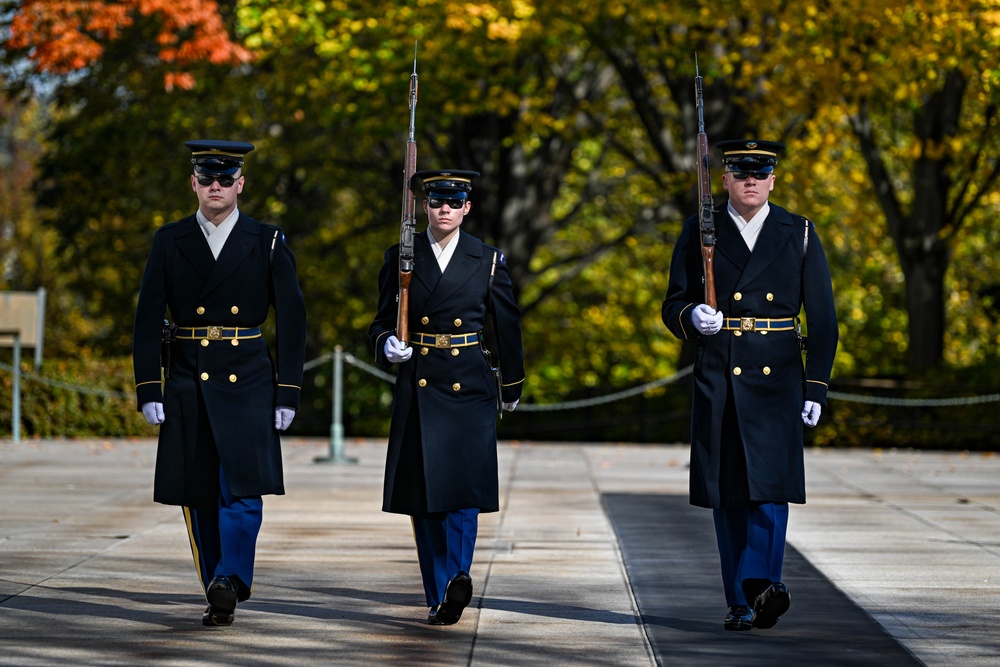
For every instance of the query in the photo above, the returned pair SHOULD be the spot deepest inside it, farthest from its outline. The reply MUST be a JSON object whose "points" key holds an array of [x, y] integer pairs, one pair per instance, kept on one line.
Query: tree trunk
{"points": [[925, 307], [922, 235]]}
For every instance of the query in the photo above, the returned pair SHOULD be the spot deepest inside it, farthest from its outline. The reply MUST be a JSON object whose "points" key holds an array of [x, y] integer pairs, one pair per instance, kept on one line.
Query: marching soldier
{"points": [[751, 393], [224, 398], [441, 464]]}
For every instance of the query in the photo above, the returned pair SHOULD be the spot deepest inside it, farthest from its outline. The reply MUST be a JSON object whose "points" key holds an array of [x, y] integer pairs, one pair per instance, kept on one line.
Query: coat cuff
{"points": [[816, 391], [148, 392], [288, 396]]}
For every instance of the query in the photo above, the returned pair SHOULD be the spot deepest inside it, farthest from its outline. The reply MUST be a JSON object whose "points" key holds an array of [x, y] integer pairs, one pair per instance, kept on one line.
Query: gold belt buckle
{"points": [[442, 340], [214, 333], [748, 324]]}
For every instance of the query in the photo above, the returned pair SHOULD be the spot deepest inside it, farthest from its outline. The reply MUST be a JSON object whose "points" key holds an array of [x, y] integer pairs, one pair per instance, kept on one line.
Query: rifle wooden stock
{"points": [[708, 259], [403, 315]]}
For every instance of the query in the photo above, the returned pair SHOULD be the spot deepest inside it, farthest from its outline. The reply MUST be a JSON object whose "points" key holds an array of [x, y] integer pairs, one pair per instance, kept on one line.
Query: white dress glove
{"points": [[283, 417], [395, 352], [707, 321], [509, 407], [153, 412], [810, 413]]}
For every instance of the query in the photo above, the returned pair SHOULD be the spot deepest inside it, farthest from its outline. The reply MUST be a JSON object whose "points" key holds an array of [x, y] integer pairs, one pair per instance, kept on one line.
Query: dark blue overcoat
{"points": [[442, 453], [220, 398], [749, 387]]}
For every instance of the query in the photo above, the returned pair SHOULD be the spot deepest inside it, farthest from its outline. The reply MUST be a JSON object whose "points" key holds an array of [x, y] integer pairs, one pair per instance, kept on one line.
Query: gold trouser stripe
{"points": [[194, 544]]}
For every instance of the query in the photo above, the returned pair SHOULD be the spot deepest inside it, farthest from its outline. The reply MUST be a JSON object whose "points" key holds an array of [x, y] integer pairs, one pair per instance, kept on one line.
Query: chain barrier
{"points": [[35, 377], [641, 389], [375, 371], [915, 402]]}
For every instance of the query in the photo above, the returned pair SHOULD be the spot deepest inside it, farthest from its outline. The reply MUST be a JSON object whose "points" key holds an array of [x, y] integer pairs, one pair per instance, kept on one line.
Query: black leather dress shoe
{"points": [[457, 596], [432, 615], [221, 594], [212, 616], [770, 604], [740, 617]]}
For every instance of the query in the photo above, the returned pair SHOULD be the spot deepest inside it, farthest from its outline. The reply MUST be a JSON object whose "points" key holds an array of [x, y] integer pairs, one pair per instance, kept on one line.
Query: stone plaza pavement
{"points": [[596, 558]]}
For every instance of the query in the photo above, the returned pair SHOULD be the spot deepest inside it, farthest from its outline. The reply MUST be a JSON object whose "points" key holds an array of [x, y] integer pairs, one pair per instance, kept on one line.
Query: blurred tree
{"points": [[579, 115], [916, 84], [63, 36], [28, 246]]}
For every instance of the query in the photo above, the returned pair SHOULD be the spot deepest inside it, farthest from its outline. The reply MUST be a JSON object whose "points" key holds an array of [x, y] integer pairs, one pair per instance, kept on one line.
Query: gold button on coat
{"points": [[738, 296], [235, 343], [737, 370], [456, 386], [424, 351], [458, 322], [454, 351], [204, 376], [767, 370], [423, 382], [235, 309], [232, 378], [425, 319], [204, 342], [200, 310], [769, 297], [737, 333]]}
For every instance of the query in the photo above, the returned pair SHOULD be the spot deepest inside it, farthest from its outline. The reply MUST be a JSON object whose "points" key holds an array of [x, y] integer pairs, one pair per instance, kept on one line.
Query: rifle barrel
{"points": [[706, 216], [408, 222]]}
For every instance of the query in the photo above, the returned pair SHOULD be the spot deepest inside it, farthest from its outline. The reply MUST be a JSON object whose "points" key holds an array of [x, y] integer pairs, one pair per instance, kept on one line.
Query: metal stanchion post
{"points": [[337, 423], [16, 411]]}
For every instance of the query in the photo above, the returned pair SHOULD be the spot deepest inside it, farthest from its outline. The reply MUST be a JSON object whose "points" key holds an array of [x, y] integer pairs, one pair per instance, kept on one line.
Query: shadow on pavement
{"points": [[673, 565]]}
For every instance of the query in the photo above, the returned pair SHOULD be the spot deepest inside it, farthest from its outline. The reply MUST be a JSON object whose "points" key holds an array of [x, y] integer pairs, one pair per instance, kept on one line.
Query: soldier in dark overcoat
{"points": [[752, 392], [224, 397], [441, 463]]}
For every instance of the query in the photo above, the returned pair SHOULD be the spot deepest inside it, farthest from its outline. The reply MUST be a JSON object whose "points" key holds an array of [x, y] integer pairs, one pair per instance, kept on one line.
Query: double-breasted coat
{"points": [[220, 397], [442, 453], [749, 387]]}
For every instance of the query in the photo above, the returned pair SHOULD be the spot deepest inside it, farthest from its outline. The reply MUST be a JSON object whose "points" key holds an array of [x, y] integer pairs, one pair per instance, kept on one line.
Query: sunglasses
{"points": [[756, 175], [224, 181], [454, 204]]}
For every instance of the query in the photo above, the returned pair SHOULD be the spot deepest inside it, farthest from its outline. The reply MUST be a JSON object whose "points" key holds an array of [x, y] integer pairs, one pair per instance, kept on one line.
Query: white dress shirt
{"points": [[443, 255], [750, 229], [217, 235]]}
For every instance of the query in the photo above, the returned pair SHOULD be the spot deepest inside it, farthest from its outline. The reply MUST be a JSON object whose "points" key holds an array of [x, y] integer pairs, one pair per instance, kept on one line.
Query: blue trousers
{"points": [[751, 545], [224, 541], [444, 548]]}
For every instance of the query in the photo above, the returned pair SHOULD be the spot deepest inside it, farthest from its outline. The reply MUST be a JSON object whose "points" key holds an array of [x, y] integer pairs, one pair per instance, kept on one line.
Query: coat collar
{"points": [[773, 237], [193, 245], [463, 265]]}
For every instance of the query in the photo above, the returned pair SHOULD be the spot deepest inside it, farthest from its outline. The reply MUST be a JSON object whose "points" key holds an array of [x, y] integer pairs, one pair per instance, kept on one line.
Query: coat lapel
{"points": [[729, 244], [462, 267], [193, 245], [425, 266], [243, 238], [773, 237]]}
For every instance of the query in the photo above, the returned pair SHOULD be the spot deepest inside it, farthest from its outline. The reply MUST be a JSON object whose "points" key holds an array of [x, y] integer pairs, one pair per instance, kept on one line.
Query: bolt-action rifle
{"points": [[706, 219], [408, 224]]}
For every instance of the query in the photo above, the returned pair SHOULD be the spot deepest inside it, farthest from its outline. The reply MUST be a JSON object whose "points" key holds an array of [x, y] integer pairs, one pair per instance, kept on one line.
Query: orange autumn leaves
{"points": [[63, 36]]}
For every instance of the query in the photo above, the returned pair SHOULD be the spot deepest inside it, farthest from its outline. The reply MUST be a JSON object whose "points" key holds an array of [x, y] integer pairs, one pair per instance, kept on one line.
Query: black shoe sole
{"points": [[214, 618], [776, 603], [222, 598], [738, 626], [457, 597]]}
